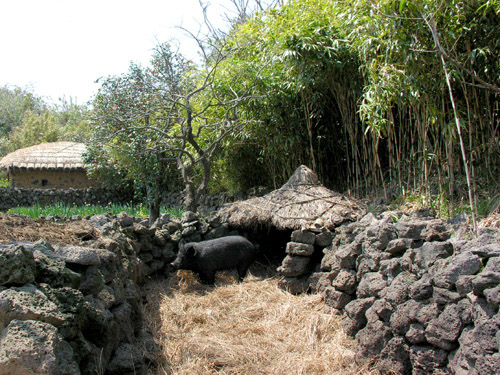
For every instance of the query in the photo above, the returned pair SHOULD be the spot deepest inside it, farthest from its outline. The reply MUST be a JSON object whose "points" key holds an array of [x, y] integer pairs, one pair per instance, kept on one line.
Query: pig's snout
{"points": [[171, 268]]}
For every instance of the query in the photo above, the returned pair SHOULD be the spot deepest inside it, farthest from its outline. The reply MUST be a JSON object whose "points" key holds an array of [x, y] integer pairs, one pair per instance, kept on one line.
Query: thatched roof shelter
{"points": [[57, 165], [302, 202], [58, 156]]}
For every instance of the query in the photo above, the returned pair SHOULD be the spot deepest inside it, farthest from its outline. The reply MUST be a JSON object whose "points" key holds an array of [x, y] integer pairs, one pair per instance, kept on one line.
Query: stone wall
{"points": [[75, 309], [212, 202], [13, 197], [417, 299], [419, 295]]}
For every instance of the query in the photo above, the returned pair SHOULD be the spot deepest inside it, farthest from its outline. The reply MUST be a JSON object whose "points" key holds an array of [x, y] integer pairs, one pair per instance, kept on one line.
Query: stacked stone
{"points": [[212, 202], [415, 300], [15, 197], [153, 244], [156, 245], [20, 197], [69, 310], [296, 265], [74, 309]]}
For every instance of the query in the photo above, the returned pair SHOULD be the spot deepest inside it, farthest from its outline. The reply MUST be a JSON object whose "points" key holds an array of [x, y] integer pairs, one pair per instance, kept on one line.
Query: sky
{"points": [[59, 48]]}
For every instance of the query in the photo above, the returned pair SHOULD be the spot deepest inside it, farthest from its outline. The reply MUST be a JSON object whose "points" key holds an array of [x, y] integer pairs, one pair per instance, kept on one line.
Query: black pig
{"points": [[208, 257]]}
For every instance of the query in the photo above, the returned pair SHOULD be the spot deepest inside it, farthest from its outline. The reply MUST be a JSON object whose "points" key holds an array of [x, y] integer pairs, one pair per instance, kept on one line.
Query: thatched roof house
{"points": [[301, 203], [47, 165]]}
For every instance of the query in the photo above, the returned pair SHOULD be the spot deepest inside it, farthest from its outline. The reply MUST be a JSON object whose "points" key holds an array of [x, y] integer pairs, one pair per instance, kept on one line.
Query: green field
{"points": [[65, 210]]}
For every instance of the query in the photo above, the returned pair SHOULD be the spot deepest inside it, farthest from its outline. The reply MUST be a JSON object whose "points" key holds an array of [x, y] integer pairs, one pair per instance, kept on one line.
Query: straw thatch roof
{"points": [[46, 156], [299, 204]]}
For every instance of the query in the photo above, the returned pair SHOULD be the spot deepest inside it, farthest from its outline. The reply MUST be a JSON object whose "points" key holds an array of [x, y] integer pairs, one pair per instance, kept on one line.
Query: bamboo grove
{"points": [[358, 91]]}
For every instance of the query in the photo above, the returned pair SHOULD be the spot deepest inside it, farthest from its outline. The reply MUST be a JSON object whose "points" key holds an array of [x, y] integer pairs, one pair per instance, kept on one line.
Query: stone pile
{"points": [[416, 300], [418, 297], [15, 197], [68, 310], [19, 197], [212, 202], [296, 266]]}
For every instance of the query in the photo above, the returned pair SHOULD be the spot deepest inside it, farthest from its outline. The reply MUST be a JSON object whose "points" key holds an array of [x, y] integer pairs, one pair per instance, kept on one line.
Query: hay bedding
{"points": [[244, 328]]}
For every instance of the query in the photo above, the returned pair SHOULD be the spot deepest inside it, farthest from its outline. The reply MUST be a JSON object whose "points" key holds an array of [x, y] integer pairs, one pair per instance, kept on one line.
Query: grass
{"points": [[65, 210], [244, 328], [444, 207]]}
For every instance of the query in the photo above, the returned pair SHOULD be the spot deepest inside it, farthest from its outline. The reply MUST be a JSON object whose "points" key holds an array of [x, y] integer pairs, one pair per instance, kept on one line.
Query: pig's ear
{"points": [[182, 243], [190, 251]]}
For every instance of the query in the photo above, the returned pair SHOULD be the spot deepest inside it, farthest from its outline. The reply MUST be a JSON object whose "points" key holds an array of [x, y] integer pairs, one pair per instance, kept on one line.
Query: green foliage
{"points": [[15, 102], [356, 90], [64, 210], [168, 120], [73, 121], [4, 180], [26, 120], [303, 72], [132, 119], [36, 128]]}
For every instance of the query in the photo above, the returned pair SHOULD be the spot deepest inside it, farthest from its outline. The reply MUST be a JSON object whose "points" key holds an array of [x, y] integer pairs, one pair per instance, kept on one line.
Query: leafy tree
{"points": [[151, 121], [424, 64], [36, 128], [14, 103], [44, 124], [73, 120], [124, 144], [309, 84]]}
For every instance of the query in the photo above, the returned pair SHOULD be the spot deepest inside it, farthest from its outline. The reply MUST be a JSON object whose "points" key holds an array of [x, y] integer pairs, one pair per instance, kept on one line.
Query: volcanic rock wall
{"points": [[16, 197], [418, 297], [19, 197], [417, 300], [75, 309]]}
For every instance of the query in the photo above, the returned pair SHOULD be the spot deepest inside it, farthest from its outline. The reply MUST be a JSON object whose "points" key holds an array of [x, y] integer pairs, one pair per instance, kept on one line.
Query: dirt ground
{"points": [[25, 228]]}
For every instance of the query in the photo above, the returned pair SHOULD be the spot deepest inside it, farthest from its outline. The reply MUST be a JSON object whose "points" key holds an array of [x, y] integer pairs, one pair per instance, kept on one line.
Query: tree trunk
{"points": [[190, 199], [432, 27], [154, 207]]}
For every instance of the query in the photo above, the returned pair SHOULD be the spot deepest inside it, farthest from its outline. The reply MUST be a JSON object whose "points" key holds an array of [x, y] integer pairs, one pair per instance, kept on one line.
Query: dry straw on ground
{"points": [[24, 228], [248, 328]]}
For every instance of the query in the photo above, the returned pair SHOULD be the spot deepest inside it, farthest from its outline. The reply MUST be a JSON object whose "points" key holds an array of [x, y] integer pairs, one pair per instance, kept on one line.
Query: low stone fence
{"points": [[15, 197], [417, 299], [212, 202]]}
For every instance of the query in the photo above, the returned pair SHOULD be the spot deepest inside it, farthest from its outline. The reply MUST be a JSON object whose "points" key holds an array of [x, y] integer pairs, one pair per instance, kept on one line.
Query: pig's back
{"points": [[228, 246]]}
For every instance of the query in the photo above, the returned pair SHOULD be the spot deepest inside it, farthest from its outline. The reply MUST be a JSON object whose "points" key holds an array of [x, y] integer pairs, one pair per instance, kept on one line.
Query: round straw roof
{"points": [[300, 203], [46, 156]]}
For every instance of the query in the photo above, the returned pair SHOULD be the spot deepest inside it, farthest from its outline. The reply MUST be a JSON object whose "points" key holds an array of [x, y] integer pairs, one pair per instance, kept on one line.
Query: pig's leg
{"points": [[242, 270], [207, 277]]}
